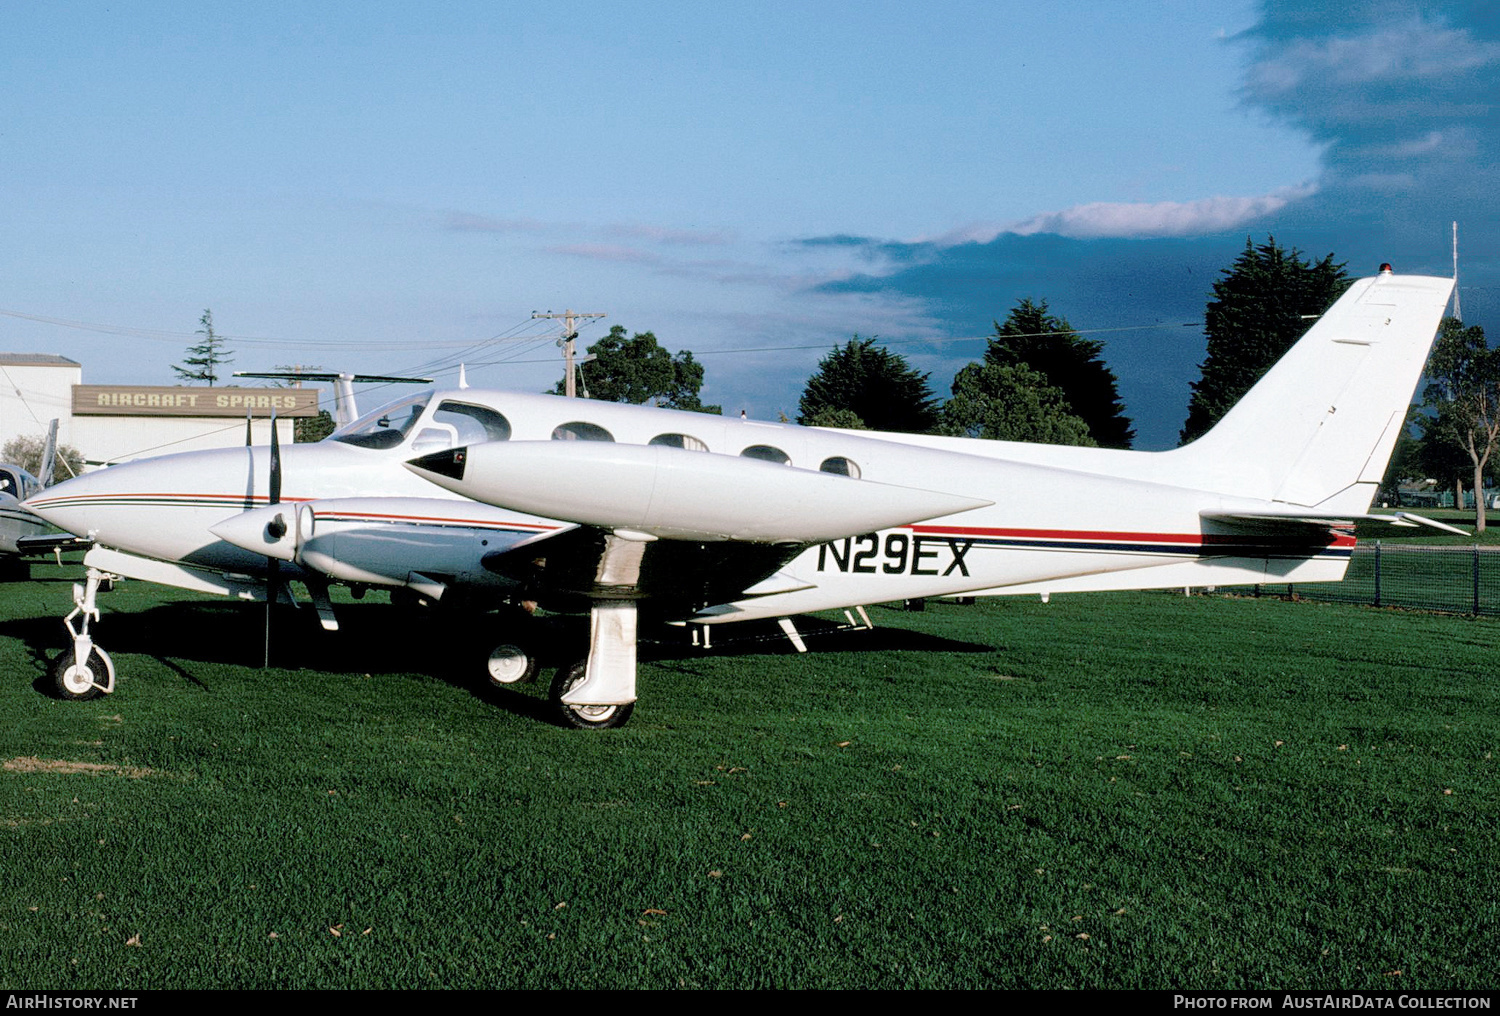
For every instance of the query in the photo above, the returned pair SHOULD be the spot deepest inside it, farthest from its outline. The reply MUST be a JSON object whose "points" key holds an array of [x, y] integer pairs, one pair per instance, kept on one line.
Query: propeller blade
{"points": [[273, 579], [275, 490]]}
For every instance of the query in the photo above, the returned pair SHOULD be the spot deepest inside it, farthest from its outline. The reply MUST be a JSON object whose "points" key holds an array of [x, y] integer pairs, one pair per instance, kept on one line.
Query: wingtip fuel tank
{"points": [[674, 493]]}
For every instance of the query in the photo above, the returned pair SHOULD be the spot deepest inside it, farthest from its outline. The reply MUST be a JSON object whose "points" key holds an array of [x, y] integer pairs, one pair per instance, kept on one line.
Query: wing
{"points": [[568, 571], [706, 528]]}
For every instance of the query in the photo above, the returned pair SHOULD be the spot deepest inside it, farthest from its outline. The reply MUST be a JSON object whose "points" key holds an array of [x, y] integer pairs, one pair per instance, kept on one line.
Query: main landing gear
{"points": [[583, 717], [85, 671], [600, 699]]}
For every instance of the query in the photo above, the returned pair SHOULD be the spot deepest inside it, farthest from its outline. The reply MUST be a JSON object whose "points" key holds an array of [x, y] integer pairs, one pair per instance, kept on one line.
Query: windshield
{"points": [[386, 427]]}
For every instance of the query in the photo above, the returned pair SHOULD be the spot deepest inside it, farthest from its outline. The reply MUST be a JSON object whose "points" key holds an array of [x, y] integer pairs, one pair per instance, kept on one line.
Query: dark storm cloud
{"points": [[1403, 97]]}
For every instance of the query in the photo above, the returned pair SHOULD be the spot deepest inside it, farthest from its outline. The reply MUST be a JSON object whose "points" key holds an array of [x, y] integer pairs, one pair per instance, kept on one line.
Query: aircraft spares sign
{"points": [[132, 400]]}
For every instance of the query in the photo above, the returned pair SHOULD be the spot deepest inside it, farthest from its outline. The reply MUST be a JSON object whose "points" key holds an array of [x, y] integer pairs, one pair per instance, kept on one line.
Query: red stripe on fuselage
{"points": [[1340, 538]]}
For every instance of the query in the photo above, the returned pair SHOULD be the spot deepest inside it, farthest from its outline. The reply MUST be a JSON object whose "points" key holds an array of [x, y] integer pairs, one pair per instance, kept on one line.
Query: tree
{"points": [[25, 450], [638, 370], [203, 360], [1068, 362], [844, 419], [1264, 303], [306, 429], [1440, 452], [1464, 395], [1012, 403], [874, 384]]}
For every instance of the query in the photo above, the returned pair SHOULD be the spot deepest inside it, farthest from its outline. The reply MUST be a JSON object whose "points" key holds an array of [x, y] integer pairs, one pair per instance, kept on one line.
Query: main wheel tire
{"points": [[511, 663], [584, 717], [71, 681]]}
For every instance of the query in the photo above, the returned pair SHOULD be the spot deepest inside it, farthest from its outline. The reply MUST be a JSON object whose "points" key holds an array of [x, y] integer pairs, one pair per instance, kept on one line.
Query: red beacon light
{"points": [[1385, 268]]}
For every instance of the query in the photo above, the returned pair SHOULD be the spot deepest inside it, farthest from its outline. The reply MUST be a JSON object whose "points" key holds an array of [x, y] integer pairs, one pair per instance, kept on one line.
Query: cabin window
{"points": [[9, 484], [841, 466], [687, 441], [387, 426], [767, 453], [578, 430]]}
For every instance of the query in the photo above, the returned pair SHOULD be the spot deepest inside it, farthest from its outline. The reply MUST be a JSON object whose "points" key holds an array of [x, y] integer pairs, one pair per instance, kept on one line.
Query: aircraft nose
{"points": [[66, 504]]}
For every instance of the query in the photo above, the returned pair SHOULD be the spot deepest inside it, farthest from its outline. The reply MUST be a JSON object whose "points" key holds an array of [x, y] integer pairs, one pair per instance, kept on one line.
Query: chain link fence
{"points": [[1460, 580]]}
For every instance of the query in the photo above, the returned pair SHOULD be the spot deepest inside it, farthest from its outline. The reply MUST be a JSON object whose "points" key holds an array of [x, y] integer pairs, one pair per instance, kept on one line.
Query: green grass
{"points": [[1218, 793]]}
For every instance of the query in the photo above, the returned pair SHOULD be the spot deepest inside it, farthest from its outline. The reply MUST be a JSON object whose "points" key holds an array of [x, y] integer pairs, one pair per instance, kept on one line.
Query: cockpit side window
{"points": [[387, 427], [474, 424], [460, 423]]}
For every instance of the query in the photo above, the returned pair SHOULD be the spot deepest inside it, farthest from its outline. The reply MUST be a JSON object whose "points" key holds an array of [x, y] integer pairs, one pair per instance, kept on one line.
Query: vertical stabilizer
{"points": [[1319, 428], [49, 454]]}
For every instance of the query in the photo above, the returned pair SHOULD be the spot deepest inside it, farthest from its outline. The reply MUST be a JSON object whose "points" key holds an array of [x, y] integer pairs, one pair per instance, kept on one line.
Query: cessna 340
{"points": [[618, 510]]}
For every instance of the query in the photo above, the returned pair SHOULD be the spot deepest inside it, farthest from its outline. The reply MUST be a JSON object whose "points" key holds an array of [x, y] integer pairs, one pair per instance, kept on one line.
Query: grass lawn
{"points": [[1133, 790]]}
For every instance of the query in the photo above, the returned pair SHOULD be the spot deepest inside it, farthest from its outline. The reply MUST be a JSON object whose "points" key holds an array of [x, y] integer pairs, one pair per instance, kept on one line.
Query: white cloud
{"points": [[1414, 51], [1121, 220], [1451, 143]]}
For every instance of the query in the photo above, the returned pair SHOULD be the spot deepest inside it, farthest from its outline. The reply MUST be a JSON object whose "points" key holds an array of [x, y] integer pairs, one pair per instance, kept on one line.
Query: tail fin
{"points": [[1318, 429], [49, 454]]}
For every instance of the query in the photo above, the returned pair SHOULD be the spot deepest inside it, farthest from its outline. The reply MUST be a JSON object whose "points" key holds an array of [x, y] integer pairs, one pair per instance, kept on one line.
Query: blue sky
{"points": [[394, 187]]}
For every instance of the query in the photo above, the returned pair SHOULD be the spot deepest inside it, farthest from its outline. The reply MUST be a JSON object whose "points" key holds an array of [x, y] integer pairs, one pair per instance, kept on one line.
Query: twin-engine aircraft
{"points": [[17, 523], [621, 511]]}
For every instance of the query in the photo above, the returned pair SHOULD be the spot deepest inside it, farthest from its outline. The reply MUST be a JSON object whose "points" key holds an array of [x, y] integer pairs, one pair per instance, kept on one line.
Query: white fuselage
{"points": [[1084, 519]]}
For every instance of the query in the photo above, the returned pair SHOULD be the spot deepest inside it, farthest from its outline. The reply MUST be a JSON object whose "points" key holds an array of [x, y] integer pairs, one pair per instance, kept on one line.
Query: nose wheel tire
{"points": [[80, 684], [583, 717]]}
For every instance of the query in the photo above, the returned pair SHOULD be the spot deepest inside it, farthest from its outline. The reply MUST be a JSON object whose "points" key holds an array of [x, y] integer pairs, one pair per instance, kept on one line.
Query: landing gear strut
{"points": [[85, 671], [599, 692]]}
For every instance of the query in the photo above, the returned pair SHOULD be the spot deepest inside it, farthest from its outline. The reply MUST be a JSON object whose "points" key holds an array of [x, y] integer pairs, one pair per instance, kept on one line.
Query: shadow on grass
{"points": [[378, 638]]}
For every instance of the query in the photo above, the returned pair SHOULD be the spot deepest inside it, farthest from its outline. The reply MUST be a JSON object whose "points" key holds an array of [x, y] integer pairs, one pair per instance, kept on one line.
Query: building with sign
{"points": [[116, 423]]}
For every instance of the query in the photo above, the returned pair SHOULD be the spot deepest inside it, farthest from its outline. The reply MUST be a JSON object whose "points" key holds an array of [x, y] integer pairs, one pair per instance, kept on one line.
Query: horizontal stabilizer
{"points": [[1325, 521], [678, 494]]}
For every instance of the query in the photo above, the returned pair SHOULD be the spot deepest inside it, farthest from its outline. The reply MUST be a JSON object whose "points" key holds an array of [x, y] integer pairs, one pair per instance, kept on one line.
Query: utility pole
{"points": [[570, 333]]}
